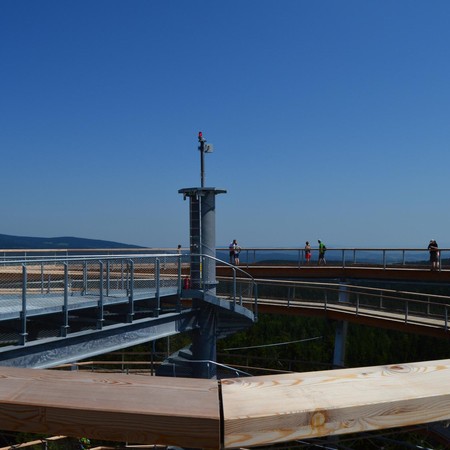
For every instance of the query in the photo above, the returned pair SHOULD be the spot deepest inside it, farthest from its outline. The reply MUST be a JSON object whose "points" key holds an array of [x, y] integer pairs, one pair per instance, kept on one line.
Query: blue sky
{"points": [[329, 119]]}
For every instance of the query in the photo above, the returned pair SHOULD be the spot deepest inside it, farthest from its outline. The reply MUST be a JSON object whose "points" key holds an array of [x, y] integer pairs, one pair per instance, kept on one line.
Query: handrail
{"points": [[49, 284], [101, 278], [232, 413], [125, 272], [92, 257], [359, 297], [342, 254], [237, 269]]}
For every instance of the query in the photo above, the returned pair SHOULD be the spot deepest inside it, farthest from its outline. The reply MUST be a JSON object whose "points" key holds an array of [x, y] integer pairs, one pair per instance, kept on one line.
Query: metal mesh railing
{"points": [[58, 286]]}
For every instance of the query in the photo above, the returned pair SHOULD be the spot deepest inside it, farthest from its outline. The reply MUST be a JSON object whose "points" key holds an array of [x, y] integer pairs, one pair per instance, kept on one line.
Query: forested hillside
{"points": [[25, 242]]}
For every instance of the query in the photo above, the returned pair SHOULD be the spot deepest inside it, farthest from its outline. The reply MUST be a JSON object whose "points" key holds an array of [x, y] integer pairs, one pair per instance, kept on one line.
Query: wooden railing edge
{"points": [[251, 411]]}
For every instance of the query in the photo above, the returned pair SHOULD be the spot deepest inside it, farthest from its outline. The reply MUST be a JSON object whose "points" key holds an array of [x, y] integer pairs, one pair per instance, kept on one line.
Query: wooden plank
{"points": [[115, 407], [270, 409], [255, 411]]}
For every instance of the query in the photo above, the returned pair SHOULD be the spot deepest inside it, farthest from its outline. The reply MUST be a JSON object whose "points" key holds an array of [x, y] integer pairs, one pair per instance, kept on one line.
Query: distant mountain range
{"points": [[25, 242]]}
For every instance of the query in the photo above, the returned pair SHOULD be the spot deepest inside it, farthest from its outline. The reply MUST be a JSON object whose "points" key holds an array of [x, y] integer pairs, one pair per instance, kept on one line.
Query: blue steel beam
{"points": [[46, 353]]}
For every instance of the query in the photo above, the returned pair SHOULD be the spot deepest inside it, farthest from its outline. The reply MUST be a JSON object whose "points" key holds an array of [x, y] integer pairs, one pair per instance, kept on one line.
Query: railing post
{"points": [[158, 281], [100, 317], [122, 282], [255, 312], [179, 284], [65, 325], [384, 258], [130, 291], [42, 278], [85, 279], [107, 277], [23, 314], [234, 287], [343, 258], [240, 293]]}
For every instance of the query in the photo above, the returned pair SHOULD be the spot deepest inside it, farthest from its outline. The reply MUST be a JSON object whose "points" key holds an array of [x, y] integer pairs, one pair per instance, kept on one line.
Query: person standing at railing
{"points": [[231, 249], [234, 252], [307, 252], [322, 250], [433, 248], [237, 251]]}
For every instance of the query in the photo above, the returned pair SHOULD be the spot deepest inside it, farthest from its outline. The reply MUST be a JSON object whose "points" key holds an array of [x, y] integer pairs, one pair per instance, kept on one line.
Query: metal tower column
{"points": [[202, 218]]}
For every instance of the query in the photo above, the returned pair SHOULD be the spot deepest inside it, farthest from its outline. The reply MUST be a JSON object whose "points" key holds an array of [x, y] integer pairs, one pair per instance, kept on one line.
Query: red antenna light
{"points": [[200, 135]]}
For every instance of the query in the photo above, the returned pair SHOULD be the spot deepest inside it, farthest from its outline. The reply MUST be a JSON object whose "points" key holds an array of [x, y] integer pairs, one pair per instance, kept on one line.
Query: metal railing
{"points": [[413, 308], [235, 288], [342, 256], [61, 285]]}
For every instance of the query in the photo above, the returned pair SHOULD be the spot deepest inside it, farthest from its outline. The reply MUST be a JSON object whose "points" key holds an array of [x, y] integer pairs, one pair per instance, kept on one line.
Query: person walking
{"points": [[322, 250], [307, 252], [433, 248]]}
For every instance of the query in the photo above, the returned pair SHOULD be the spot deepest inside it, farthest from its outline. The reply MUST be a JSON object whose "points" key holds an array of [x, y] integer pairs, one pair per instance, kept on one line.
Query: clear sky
{"points": [[329, 119]]}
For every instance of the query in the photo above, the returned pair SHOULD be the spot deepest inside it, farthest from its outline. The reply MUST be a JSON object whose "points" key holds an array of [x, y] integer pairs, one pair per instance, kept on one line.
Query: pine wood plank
{"points": [[256, 411], [269, 409], [116, 407]]}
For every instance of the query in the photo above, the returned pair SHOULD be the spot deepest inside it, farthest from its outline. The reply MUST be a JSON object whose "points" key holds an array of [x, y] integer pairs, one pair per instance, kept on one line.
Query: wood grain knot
{"points": [[398, 368], [318, 419]]}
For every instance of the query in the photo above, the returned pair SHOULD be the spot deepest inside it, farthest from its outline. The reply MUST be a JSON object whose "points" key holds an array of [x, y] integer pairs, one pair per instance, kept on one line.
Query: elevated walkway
{"points": [[63, 310], [96, 306], [330, 272]]}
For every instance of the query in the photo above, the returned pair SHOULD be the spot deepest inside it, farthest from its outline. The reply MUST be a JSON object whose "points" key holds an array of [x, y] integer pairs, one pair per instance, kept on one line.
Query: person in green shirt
{"points": [[322, 250]]}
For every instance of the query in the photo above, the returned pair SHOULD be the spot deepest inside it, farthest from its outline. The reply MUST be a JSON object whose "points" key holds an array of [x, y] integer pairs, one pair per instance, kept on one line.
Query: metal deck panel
{"points": [[42, 304]]}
